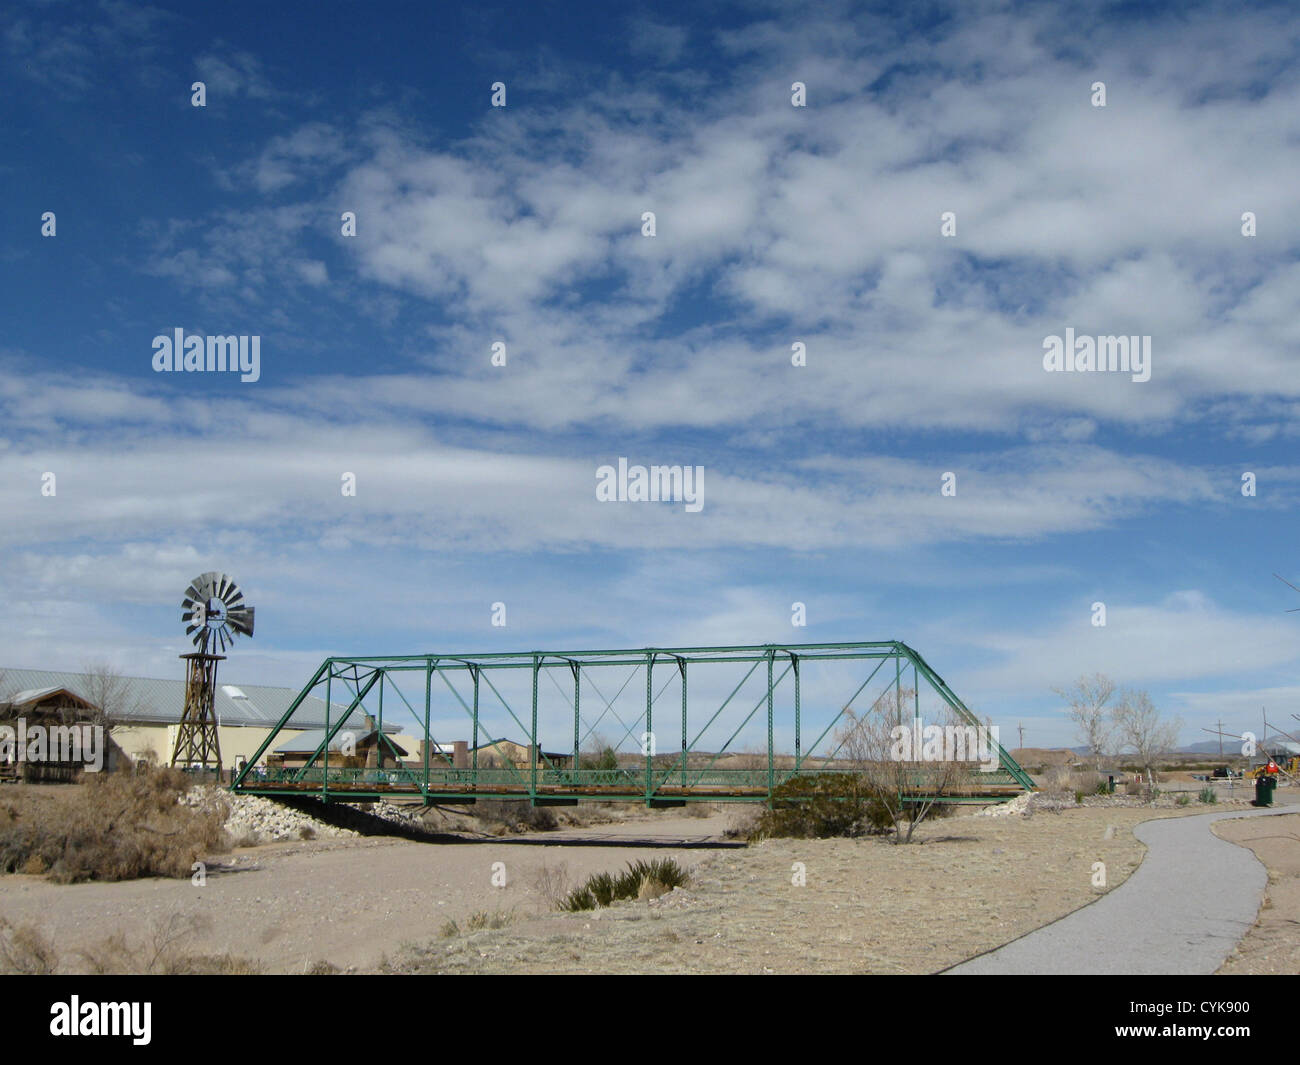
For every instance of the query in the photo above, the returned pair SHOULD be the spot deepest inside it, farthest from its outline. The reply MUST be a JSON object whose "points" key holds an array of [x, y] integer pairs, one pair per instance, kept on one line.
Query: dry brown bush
{"points": [[519, 815], [26, 950], [124, 825], [1065, 780], [164, 953], [552, 882]]}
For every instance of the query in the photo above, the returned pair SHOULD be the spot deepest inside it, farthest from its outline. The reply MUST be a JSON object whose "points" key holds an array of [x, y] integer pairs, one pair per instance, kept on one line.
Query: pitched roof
{"points": [[307, 742], [151, 701], [32, 695]]}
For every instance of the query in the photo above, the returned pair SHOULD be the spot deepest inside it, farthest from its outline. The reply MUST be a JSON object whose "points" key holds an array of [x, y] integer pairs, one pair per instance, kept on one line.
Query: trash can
{"points": [[1264, 786], [1110, 785]]}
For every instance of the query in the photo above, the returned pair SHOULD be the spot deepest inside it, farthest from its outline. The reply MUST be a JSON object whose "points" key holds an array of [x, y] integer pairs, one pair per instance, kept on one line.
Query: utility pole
{"points": [[1021, 728], [1219, 724]]}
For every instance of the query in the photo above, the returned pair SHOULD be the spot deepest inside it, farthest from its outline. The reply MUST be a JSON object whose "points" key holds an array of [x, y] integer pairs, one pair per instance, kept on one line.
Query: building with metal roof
{"points": [[146, 710]]}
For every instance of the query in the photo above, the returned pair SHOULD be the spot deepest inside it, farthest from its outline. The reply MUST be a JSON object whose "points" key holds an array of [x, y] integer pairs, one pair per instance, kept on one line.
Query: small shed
{"points": [[53, 735], [350, 748]]}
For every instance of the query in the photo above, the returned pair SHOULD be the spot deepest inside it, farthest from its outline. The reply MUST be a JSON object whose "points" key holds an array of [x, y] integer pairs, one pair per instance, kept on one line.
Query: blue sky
{"points": [[774, 224]]}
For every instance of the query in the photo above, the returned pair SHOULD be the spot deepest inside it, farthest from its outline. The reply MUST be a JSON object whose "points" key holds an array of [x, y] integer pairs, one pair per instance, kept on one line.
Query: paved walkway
{"points": [[1182, 912]]}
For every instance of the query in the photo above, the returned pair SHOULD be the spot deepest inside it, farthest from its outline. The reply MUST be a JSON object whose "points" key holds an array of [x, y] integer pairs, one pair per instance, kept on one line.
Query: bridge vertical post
{"points": [[535, 755], [325, 773], [379, 734], [798, 749], [473, 669], [428, 702], [771, 764], [898, 685], [681, 666], [577, 718], [648, 740], [898, 709]]}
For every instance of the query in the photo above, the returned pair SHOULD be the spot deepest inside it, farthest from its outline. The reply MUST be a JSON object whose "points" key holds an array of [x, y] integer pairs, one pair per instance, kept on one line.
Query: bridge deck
{"points": [[351, 785]]}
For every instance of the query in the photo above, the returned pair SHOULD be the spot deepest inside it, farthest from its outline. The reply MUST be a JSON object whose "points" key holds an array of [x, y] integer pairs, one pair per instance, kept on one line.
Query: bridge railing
{"points": [[623, 781]]}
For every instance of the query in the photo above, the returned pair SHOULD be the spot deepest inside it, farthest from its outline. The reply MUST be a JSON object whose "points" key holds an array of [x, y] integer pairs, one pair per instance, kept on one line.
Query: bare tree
{"points": [[1086, 707], [909, 786], [110, 694], [599, 754], [1140, 727]]}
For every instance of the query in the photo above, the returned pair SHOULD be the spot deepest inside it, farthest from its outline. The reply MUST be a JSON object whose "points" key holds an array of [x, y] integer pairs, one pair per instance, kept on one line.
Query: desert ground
{"points": [[1273, 945], [966, 885]]}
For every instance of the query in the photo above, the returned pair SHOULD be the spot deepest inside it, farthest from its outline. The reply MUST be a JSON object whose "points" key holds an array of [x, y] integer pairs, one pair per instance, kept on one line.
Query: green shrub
{"points": [[1184, 799], [830, 805], [1208, 795], [605, 759]]}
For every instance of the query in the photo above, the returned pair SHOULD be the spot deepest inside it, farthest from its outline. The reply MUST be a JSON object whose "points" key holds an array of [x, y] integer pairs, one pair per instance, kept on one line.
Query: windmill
{"points": [[213, 614]]}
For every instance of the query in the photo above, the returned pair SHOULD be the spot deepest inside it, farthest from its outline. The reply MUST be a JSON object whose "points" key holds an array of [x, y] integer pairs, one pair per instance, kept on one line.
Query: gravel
{"points": [[253, 819]]}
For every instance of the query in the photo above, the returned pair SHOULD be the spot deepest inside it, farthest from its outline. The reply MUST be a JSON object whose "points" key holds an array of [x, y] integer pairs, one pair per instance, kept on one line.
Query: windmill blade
{"points": [[224, 586], [241, 620], [195, 621], [199, 591]]}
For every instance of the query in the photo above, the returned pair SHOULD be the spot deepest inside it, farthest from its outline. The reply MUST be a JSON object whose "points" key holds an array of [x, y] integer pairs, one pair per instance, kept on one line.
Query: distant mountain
{"points": [[1232, 748]]}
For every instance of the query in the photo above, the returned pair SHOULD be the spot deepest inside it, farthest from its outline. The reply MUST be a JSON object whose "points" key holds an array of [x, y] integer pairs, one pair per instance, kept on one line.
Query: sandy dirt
{"points": [[347, 902], [970, 884], [1273, 944]]}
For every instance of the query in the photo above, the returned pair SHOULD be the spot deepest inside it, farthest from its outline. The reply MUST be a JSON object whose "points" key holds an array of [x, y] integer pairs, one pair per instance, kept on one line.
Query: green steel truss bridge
{"points": [[691, 724]]}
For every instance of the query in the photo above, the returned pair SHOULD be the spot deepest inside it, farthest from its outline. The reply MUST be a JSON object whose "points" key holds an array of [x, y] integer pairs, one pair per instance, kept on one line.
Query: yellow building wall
{"points": [[158, 741]]}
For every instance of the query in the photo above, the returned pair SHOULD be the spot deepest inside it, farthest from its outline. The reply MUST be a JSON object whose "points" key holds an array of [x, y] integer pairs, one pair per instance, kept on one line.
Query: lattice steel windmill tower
{"points": [[213, 612]]}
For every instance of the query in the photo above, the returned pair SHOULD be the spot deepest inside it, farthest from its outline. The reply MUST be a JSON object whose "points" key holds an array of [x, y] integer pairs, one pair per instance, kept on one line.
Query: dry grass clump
{"points": [[640, 880], [122, 826], [478, 922]]}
